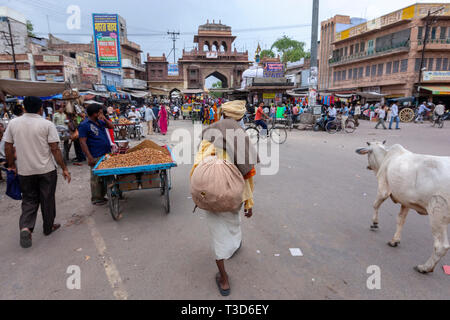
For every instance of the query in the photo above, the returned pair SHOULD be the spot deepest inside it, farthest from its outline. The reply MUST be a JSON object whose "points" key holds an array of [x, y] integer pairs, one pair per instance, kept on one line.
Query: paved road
{"points": [[320, 201]]}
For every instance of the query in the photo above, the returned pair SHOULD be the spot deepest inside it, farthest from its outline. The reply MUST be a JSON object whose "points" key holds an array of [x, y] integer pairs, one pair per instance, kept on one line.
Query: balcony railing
{"points": [[126, 63], [370, 54], [435, 41]]}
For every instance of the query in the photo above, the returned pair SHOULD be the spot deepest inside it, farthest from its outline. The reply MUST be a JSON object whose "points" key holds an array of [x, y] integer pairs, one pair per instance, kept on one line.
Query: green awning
{"points": [[437, 90]]}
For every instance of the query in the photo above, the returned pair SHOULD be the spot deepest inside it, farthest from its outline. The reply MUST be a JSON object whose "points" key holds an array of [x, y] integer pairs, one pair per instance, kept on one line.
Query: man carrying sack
{"points": [[222, 181]]}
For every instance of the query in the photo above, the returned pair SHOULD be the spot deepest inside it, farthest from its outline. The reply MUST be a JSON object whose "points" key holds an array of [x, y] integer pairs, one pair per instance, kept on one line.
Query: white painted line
{"points": [[296, 252], [110, 268]]}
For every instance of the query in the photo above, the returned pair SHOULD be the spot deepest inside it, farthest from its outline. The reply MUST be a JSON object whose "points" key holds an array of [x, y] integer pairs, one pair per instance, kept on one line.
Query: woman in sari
{"points": [[163, 120]]}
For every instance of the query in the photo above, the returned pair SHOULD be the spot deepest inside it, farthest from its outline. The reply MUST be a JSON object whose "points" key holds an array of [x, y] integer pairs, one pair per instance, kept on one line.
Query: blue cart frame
{"points": [[112, 182]]}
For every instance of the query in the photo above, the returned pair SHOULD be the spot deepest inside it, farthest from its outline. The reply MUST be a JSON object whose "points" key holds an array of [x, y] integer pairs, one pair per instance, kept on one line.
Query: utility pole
{"points": [[428, 24], [9, 39], [174, 36], [314, 70]]}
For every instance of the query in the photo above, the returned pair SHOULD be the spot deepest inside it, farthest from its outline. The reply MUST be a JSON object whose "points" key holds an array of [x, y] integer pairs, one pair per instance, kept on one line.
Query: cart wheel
{"points": [[113, 201], [165, 191]]}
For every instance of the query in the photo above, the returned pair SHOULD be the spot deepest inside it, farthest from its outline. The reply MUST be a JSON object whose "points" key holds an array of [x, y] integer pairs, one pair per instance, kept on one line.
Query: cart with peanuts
{"points": [[128, 177]]}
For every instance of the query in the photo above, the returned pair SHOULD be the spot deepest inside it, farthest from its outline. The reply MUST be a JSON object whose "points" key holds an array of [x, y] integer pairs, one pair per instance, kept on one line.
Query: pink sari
{"points": [[163, 120]]}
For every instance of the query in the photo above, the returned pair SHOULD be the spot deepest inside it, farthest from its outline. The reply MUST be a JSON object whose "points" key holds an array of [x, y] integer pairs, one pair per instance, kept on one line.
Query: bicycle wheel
{"points": [[253, 133], [350, 126], [332, 127], [278, 135], [441, 124]]}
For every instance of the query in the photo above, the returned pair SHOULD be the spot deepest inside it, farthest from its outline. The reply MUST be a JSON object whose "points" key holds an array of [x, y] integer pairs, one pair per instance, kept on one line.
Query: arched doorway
{"points": [[175, 95], [216, 80]]}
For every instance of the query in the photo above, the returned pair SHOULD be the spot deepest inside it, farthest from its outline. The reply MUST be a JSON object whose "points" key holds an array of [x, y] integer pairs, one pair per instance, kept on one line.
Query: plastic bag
{"points": [[13, 186]]}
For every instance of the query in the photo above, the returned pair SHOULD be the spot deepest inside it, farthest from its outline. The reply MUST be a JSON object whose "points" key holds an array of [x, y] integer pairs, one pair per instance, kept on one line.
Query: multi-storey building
{"points": [[384, 55]]}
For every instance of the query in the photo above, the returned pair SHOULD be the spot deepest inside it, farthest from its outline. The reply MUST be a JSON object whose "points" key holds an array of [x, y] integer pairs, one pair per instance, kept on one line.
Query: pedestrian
{"points": [[2, 148], [395, 117], [344, 117], [155, 120], [372, 112], [74, 136], [95, 144], [60, 117], [357, 114], [225, 227], [163, 120], [149, 117], [35, 141], [423, 109], [212, 115], [382, 117]]}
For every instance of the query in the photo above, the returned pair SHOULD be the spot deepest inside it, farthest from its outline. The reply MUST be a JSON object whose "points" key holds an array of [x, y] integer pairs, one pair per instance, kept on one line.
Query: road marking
{"points": [[110, 268]]}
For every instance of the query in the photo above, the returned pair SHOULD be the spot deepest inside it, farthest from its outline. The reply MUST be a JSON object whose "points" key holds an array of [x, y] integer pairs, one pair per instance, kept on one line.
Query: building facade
{"points": [[384, 55], [17, 23]]}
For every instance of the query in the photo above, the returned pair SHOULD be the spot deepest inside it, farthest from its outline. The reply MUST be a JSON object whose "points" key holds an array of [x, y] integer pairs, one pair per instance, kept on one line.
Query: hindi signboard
{"points": [[173, 69], [273, 70], [107, 40], [436, 76], [212, 55]]}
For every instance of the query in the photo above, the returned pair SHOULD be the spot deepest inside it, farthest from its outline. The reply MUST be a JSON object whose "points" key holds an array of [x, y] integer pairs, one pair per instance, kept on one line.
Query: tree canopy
{"points": [[289, 49], [30, 29], [267, 54]]}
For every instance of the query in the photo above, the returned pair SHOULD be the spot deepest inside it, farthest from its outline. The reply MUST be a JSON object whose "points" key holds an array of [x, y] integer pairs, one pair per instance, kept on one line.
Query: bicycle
{"points": [[437, 121], [277, 134], [335, 126]]}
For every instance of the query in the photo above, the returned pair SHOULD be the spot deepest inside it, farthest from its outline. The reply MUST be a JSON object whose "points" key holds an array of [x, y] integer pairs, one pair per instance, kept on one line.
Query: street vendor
{"points": [[225, 227], [95, 144]]}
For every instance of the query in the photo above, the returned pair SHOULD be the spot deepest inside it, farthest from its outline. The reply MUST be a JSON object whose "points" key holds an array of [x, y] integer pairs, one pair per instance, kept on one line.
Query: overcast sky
{"points": [[146, 17], [150, 16]]}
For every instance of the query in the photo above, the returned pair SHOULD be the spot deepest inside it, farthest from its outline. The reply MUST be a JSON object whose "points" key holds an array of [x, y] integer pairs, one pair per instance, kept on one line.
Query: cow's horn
{"points": [[368, 143], [384, 142]]}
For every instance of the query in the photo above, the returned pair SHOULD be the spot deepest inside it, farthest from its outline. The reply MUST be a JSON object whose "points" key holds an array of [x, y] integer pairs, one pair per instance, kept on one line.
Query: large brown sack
{"points": [[217, 186]]}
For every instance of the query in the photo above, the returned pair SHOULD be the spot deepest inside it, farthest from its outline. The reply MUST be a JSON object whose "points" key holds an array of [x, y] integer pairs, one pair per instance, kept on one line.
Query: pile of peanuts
{"points": [[139, 158]]}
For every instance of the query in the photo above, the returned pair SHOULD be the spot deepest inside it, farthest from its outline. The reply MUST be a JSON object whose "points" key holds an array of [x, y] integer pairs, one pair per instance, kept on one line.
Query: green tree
{"points": [[290, 50], [267, 54], [30, 29], [215, 94]]}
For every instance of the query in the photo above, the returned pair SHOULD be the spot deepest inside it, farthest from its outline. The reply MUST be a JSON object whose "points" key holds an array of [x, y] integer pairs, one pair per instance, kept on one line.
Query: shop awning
{"points": [[370, 95], [437, 90], [31, 88], [193, 91], [295, 94]]}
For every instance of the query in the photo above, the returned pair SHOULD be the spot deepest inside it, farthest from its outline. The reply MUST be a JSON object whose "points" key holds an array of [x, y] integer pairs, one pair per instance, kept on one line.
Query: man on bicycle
{"points": [[259, 117], [422, 111], [439, 110]]}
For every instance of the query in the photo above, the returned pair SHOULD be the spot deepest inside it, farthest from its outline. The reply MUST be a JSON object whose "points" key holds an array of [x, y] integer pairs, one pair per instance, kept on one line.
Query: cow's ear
{"points": [[362, 151]]}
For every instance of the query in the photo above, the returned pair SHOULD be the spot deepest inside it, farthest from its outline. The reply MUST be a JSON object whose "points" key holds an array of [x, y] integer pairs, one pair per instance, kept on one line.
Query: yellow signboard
{"points": [[419, 10], [268, 95]]}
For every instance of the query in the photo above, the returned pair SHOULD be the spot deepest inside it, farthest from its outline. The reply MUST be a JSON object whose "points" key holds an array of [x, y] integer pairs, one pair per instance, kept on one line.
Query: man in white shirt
{"points": [[149, 117], [395, 117], [332, 113], [440, 109], [381, 117], [357, 114], [36, 143]]}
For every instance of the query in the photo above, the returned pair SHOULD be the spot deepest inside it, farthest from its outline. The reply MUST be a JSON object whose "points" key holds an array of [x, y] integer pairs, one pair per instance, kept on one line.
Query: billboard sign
{"points": [[212, 55], [436, 76], [173, 69], [273, 70], [107, 40]]}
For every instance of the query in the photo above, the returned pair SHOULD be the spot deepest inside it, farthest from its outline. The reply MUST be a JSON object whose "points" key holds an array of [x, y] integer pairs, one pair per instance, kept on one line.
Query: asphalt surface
{"points": [[320, 201]]}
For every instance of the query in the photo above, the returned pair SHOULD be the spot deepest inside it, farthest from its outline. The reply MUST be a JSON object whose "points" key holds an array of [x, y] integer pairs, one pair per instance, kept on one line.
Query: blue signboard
{"points": [[107, 40], [273, 70]]}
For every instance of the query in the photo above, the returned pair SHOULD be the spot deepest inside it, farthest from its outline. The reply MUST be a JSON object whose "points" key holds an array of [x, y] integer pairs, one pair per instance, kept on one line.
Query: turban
{"points": [[234, 109]]}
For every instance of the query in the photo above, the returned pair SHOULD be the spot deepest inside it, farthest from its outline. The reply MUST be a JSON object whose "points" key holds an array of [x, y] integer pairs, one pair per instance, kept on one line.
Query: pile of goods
{"points": [[124, 121], [148, 144], [147, 153]]}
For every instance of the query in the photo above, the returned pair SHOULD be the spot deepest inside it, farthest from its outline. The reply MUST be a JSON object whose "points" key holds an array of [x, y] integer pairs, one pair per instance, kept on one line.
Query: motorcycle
{"points": [[321, 123], [176, 114]]}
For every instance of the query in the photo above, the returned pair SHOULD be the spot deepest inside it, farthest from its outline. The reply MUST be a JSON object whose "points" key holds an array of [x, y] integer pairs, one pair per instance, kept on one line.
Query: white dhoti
{"points": [[226, 235]]}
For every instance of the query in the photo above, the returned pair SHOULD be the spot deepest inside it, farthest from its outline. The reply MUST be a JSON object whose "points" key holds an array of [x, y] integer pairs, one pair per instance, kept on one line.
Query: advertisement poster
{"points": [[107, 41], [173, 69], [274, 70]]}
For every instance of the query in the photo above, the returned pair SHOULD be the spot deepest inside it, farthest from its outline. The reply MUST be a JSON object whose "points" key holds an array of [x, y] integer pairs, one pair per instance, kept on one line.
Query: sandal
{"points": [[25, 239], [54, 228], [224, 293]]}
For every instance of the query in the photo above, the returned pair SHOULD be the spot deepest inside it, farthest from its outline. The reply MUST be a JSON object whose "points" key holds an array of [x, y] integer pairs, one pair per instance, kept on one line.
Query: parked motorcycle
{"points": [[321, 123]]}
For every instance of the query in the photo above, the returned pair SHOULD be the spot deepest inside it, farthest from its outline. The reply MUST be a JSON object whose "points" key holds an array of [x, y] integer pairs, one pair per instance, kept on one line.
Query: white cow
{"points": [[417, 182]]}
